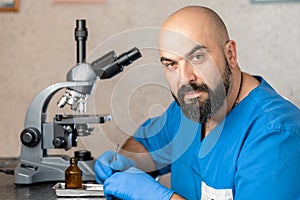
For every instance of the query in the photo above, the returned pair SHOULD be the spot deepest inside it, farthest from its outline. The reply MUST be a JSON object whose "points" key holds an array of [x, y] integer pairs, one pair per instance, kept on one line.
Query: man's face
{"points": [[198, 75], [200, 109]]}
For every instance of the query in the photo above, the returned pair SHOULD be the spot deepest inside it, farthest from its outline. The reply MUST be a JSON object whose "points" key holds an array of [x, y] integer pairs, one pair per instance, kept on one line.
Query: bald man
{"points": [[227, 135]]}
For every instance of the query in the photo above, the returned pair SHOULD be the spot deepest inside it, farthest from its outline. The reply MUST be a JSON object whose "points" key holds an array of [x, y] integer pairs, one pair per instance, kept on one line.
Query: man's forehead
{"points": [[171, 42]]}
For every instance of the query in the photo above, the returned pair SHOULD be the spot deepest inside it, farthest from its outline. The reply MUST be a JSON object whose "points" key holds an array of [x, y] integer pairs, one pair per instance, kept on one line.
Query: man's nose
{"points": [[187, 72]]}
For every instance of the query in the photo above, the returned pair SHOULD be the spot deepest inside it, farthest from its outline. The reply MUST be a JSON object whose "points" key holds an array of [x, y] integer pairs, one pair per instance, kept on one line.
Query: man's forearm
{"points": [[139, 154]]}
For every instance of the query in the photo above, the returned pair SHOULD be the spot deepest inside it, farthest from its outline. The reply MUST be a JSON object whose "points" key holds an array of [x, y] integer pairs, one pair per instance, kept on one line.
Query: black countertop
{"points": [[10, 191]]}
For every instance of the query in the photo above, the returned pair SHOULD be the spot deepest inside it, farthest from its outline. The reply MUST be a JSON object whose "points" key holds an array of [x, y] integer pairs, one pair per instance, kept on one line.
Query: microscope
{"points": [[40, 135]]}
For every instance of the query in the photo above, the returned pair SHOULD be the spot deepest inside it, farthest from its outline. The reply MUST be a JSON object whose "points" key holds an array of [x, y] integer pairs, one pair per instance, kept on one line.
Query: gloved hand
{"points": [[135, 184], [104, 166]]}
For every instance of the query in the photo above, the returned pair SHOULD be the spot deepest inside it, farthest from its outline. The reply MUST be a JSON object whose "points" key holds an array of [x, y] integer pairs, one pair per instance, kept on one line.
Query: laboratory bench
{"points": [[42, 191]]}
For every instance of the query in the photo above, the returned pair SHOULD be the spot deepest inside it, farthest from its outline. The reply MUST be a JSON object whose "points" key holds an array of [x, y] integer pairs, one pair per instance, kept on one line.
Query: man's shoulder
{"points": [[271, 110]]}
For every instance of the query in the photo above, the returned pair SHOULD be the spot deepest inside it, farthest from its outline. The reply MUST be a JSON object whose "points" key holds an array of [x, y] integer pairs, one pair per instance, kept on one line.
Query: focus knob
{"points": [[59, 142], [30, 137]]}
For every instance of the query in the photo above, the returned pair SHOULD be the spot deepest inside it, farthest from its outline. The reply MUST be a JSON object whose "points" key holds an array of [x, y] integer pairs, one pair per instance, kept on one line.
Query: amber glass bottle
{"points": [[73, 175]]}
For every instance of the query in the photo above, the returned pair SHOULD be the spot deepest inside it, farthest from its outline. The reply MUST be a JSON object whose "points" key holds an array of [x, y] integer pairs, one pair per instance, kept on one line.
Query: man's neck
{"points": [[249, 83]]}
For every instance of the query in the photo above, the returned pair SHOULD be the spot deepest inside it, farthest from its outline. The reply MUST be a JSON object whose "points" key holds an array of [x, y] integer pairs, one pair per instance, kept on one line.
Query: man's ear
{"points": [[230, 53]]}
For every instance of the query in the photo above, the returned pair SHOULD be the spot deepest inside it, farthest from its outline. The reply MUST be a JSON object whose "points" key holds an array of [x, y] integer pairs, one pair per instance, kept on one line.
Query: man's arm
{"points": [[139, 154]]}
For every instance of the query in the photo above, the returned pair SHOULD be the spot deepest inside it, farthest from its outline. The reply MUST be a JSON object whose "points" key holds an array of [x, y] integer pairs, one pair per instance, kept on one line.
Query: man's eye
{"points": [[170, 66], [197, 58]]}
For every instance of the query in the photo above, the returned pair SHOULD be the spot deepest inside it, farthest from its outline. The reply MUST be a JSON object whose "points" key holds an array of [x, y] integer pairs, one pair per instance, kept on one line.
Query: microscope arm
{"points": [[36, 116], [39, 105]]}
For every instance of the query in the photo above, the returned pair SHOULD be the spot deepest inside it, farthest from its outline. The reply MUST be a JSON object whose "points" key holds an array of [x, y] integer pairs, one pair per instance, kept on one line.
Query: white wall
{"points": [[37, 49]]}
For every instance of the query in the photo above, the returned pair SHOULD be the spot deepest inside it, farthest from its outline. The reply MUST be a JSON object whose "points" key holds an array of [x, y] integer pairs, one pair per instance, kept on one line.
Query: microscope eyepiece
{"points": [[80, 25], [110, 64], [128, 57], [81, 34]]}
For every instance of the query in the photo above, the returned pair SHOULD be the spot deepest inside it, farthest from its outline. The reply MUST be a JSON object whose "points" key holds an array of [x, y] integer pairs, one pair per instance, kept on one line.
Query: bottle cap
{"points": [[83, 155]]}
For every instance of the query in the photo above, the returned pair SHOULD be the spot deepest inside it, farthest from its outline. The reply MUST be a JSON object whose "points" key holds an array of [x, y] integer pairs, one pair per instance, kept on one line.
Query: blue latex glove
{"points": [[135, 184], [104, 166]]}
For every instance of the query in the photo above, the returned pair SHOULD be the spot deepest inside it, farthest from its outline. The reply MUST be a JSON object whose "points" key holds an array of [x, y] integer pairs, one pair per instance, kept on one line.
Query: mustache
{"points": [[192, 87]]}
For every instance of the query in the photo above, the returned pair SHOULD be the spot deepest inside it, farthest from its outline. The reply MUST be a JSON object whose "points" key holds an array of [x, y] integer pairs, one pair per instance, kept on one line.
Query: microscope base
{"points": [[50, 169]]}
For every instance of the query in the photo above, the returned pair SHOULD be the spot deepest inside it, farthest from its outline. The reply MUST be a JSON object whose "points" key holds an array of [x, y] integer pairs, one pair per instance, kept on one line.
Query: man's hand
{"points": [[105, 166], [135, 184]]}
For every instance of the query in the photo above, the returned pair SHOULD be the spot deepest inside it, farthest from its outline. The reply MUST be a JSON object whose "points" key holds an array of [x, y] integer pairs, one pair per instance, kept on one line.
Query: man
{"points": [[227, 135]]}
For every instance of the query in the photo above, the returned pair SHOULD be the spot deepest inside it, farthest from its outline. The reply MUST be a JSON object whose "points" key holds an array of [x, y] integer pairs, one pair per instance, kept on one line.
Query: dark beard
{"points": [[200, 110]]}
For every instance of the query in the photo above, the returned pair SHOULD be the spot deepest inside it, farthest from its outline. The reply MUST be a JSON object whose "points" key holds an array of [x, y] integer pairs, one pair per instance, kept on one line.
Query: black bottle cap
{"points": [[83, 155]]}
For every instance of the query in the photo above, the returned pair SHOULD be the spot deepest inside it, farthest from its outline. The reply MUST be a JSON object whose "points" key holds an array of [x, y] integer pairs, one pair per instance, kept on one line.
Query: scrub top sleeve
{"points": [[156, 133], [268, 167]]}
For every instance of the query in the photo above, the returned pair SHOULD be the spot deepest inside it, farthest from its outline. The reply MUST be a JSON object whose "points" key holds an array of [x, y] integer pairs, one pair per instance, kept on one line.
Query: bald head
{"points": [[196, 53], [198, 23]]}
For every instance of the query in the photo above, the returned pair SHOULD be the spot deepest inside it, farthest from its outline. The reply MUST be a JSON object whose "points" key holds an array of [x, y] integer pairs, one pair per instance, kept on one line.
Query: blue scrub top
{"points": [[253, 153]]}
